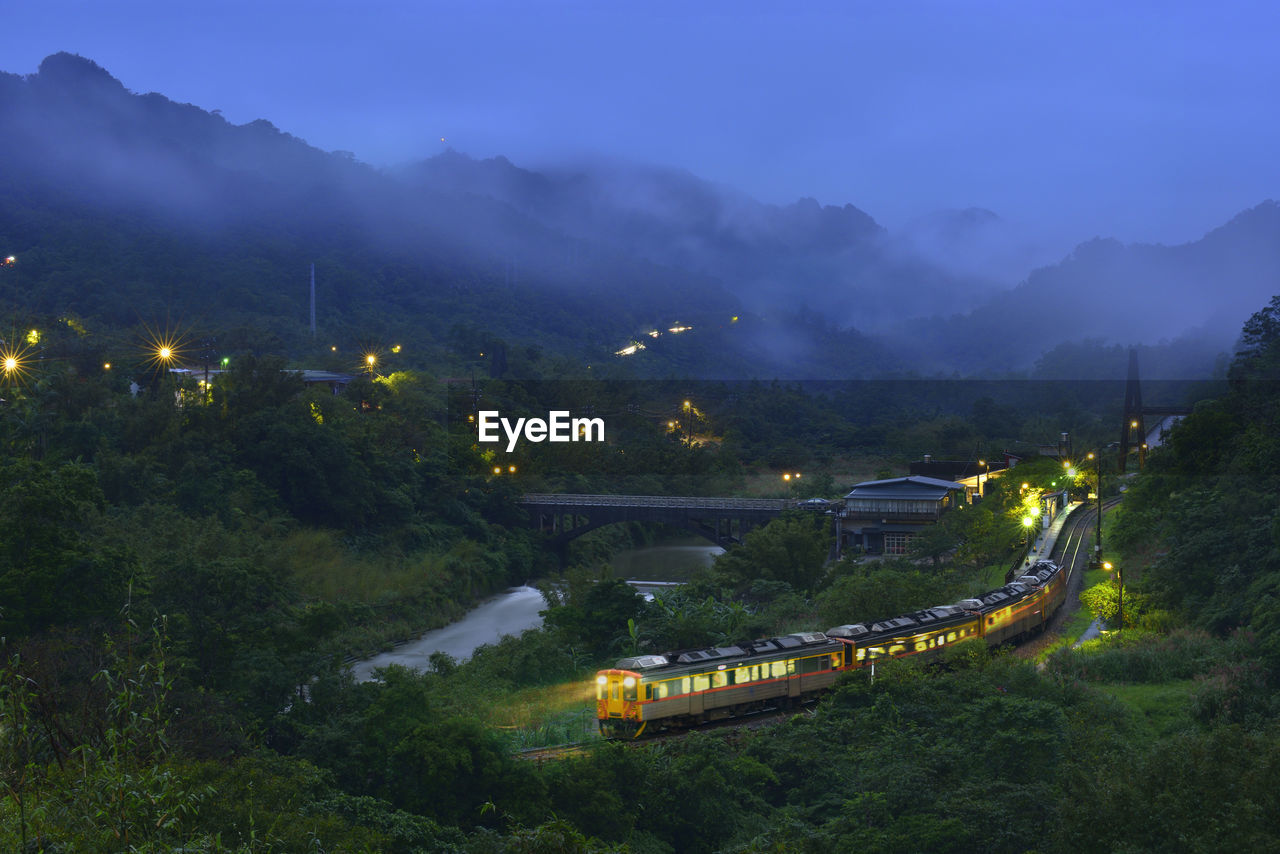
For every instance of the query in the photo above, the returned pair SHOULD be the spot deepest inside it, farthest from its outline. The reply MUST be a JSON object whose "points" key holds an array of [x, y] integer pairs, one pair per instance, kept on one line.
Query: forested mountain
{"points": [[127, 208], [124, 207], [1192, 296]]}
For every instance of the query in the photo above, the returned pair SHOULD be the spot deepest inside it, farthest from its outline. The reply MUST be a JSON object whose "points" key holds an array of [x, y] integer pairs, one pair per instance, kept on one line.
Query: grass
{"points": [[325, 569], [547, 715], [1163, 708]]}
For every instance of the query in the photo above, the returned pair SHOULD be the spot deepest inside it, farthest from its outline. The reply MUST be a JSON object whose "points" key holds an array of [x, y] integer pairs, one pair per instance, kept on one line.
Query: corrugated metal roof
{"points": [[914, 486]]}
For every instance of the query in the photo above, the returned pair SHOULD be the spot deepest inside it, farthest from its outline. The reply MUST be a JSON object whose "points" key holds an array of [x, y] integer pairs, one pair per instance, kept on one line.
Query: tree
{"points": [[51, 567], [792, 548]]}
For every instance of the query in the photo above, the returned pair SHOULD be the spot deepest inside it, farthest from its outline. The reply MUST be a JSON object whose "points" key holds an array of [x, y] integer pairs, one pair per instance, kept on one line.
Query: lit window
{"points": [[742, 676], [701, 683], [719, 679], [921, 646]]}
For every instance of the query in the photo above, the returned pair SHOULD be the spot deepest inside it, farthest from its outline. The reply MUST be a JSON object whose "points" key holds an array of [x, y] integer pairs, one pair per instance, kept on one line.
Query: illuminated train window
{"points": [[778, 668], [701, 683], [719, 679], [921, 646]]}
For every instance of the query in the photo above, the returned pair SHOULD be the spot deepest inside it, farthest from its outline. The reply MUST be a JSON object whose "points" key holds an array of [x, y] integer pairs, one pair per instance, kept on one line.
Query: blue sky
{"points": [[1142, 121]]}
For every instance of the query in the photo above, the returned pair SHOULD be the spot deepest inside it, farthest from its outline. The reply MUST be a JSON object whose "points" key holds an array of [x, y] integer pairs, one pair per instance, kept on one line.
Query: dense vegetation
{"points": [[258, 530], [184, 568]]}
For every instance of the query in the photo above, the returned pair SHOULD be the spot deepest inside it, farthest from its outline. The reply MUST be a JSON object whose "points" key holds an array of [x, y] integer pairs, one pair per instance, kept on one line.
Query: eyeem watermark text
{"points": [[558, 426]]}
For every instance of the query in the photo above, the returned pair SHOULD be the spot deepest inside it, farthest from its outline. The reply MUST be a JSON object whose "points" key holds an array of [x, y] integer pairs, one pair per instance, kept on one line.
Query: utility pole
{"points": [[1120, 600], [313, 300], [1097, 542]]}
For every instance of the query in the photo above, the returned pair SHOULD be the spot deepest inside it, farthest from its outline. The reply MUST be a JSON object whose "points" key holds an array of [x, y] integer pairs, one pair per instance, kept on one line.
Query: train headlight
{"points": [[629, 682], [602, 680]]}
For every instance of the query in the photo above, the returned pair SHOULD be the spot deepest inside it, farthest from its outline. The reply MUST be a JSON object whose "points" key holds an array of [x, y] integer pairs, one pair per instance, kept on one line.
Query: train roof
{"points": [[694, 660], [939, 616]]}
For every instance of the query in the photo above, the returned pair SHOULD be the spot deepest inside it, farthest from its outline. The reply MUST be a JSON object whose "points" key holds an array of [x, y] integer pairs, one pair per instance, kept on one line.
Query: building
{"points": [[335, 382], [880, 516], [974, 474]]}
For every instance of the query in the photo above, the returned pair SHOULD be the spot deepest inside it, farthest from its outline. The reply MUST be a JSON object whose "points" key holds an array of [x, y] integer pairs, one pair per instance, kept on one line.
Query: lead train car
{"points": [[651, 692]]}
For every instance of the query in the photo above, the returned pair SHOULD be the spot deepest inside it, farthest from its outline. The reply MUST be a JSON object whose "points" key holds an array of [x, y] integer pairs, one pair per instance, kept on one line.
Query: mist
{"points": [[657, 245]]}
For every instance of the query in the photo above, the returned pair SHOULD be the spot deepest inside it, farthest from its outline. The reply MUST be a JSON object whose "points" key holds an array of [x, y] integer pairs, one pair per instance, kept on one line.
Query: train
{"points": [[646, 694]]}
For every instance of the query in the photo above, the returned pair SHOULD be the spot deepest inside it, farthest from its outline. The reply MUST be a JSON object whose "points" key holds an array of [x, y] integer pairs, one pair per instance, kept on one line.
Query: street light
{"points": [[1097, 543]]}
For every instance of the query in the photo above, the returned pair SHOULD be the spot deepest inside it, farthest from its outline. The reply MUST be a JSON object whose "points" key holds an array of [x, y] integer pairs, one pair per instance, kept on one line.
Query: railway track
{"points": [[756, 720], [1072, 551]]}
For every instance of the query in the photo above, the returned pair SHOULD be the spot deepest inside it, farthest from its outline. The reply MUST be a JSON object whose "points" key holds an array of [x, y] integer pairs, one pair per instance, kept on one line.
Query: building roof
{"points": [[324, 377], [914, 486]]}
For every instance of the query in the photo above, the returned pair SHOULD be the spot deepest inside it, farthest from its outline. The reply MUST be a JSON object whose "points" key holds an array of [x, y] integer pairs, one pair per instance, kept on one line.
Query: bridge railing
{"points": [[665, 501]]}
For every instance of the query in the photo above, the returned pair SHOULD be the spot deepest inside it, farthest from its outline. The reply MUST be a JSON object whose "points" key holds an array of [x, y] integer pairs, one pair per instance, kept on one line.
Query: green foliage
{"points": [[1141, 802], [1104, 601], [876, 590], [1135, 656], [1203, 515], [110, 786], [51, 570], [792, 549], [594, 617]]}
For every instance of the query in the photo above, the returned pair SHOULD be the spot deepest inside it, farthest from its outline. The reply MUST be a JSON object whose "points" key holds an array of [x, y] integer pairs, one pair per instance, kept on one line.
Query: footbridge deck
{"points": [[724, 521]]}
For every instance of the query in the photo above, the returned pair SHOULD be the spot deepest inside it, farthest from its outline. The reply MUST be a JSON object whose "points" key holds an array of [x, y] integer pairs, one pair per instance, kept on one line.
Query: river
{"points": [[510, 613]]}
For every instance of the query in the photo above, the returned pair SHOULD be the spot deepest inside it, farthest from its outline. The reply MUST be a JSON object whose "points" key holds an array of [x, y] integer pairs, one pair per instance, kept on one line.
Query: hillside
{"points": [[126, 208]]}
